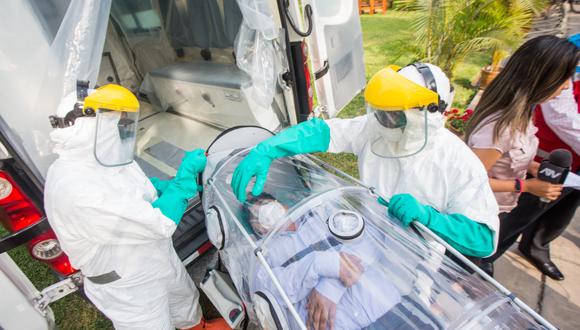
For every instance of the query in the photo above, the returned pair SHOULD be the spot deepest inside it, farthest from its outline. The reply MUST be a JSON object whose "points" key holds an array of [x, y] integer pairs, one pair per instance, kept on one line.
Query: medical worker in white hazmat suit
{"points": [[112, 222], [405, 152]]}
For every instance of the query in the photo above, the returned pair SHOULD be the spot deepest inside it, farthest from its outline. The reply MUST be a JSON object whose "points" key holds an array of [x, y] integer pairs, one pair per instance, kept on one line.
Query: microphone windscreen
{"points": [[561, 157]]}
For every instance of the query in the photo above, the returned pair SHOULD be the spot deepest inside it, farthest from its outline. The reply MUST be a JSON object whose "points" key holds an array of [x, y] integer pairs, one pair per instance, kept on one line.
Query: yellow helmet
{"points": [[116, 110], [109, 98], [112, 97], [388, 90]]}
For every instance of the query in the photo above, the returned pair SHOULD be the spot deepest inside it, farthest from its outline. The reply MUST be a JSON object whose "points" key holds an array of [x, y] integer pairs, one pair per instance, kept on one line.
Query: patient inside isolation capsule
{"points": [[327, 256], [317, 242]]}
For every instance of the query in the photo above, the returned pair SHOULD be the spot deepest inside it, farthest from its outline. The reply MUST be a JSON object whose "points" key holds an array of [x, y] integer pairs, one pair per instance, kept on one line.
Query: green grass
{"points": [[386, 40]]}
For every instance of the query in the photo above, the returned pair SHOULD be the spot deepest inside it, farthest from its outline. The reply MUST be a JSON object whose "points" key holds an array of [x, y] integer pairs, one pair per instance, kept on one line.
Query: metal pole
{"points": [[488, 278]]}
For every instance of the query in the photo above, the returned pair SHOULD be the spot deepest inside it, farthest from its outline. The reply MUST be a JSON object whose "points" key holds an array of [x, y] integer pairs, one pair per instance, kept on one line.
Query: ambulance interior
{"points": [[179, 58]]}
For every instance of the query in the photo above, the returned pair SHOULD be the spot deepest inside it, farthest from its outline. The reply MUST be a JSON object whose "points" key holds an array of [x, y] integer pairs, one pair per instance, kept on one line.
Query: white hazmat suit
{"points": [[106, 224], [445, 174]]}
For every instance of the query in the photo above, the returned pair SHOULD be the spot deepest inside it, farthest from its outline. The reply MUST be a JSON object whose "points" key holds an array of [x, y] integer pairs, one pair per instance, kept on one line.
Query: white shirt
{"points": [[561, 115]]}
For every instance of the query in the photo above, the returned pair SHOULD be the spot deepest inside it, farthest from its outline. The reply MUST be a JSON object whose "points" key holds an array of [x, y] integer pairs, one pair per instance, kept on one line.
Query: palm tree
{"points": [[447, 31]]}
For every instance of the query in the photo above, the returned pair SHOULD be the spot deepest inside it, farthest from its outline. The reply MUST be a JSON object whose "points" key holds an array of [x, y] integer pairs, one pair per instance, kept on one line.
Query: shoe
{"points": [[487, 267], [213, 324], [547, 268]]}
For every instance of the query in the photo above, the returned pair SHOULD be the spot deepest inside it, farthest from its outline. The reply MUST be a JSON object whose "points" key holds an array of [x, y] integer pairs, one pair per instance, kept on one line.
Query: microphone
{"points": [[555, 168]]}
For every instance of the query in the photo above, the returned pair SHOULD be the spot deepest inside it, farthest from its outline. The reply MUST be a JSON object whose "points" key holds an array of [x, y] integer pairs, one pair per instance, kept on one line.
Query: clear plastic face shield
{"points": [[396, 134], [398, 108], [115, 137]]}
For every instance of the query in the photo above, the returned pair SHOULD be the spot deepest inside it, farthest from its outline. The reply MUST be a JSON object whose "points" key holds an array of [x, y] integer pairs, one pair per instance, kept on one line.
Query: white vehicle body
{"points": [[17, 302]]}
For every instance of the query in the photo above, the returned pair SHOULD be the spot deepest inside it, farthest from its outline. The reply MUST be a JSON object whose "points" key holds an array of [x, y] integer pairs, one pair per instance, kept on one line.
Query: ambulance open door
{"points": [[336, 52]]}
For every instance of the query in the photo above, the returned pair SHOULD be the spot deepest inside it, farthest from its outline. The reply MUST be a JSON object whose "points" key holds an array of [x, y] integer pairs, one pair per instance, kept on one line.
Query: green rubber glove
{"points": [[309, 136], [172, 203], [191, 165], [160, 185], [465, 235], [173, 200]]}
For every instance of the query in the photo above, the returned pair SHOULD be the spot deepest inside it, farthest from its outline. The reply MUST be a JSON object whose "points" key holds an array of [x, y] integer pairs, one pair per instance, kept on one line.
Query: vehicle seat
{"points": [[152, 53]]}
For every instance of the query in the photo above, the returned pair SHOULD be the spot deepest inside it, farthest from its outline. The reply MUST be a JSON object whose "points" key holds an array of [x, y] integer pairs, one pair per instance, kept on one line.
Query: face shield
{"points": [[115, 137], [397, 110], [395, 134], [117, 115]]}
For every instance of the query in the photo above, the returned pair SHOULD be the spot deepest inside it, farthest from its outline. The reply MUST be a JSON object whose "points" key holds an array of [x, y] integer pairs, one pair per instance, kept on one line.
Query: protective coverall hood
{"points": [[435, 120], [75, 142], [78, 142]]}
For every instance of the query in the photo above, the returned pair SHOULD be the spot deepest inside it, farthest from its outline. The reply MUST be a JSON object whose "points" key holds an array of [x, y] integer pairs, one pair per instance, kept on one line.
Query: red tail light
{"points": [[309, 89], [45, 247], [18, 212]]}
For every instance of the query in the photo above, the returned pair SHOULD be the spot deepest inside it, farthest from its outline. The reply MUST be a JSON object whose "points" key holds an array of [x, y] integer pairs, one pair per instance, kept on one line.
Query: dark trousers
{"points": [[539, 224]]}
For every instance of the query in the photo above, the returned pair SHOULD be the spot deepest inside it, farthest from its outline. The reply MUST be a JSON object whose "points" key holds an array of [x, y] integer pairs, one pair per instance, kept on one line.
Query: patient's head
{"points": [[264, 212]]}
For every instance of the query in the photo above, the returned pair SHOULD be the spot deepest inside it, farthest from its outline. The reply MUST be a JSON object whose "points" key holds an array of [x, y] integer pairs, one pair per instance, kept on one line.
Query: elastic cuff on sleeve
{"points": [[331, 289], [327, 264]]}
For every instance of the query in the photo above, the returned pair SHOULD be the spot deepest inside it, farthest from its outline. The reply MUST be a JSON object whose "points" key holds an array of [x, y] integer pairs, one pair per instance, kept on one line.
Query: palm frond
{"points": [[447, 31]]}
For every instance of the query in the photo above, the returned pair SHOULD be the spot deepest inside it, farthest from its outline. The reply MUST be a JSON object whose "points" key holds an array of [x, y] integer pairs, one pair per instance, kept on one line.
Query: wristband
{"points": [[519, 184]]}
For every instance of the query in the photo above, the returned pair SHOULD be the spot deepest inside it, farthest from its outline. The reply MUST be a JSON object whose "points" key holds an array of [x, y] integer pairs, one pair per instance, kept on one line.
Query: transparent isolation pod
{"points": [[318, 236]]}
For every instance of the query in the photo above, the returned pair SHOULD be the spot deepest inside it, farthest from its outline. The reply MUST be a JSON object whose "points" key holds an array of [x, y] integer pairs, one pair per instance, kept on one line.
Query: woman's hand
{"points": [[543, 189]]}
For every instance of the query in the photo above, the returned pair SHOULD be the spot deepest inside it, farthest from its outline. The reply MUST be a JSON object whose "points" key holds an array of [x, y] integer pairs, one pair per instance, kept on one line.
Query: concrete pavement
{"points": [[557, 301]]}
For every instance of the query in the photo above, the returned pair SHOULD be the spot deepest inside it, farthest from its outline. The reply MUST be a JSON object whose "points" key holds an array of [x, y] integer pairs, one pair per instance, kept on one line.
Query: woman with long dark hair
{"points": [[501, 132]]}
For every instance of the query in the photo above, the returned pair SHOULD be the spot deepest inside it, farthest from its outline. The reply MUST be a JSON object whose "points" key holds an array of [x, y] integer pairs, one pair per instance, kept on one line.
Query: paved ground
{"points": [[557, 301]]}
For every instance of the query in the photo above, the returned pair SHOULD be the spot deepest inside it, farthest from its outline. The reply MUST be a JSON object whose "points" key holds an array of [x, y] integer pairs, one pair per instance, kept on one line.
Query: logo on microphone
{"points": [[550, 173]]}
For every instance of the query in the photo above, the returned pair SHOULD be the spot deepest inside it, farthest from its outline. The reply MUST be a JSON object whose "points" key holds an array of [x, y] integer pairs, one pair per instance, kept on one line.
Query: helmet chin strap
{"points": [[77, 111]]}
